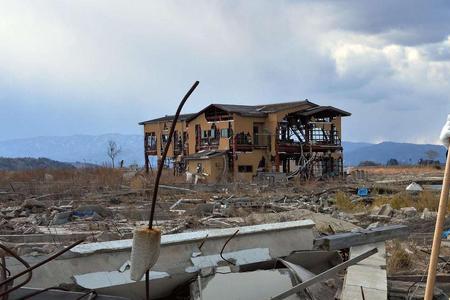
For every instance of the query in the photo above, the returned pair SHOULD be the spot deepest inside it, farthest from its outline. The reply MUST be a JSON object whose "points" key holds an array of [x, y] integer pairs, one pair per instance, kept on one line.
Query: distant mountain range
{"points": [[92, 149], [76, 148], [14, 164], [404, 153]]}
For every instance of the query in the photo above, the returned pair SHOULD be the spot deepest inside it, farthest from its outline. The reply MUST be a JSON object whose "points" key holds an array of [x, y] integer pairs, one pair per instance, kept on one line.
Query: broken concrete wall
{"points": [[107, 258]]}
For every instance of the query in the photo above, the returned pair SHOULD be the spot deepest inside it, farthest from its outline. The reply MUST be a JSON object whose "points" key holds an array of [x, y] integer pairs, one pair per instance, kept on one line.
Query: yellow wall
{"points": [[205, 125], [214, 167], [158, 128], [251, 159], [245, 124]]}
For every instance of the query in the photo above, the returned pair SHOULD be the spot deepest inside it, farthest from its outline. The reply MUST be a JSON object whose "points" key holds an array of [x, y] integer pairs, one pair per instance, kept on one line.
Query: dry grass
{"points": [[75, 181], [344, 203], [167, 177], [425, 199], [399, 259], [79, 181], [402, 170]]}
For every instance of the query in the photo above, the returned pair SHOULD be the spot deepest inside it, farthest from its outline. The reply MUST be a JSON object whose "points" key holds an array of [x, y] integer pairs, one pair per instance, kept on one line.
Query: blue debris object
{"points": [[446, 233], [83, 213], [363, 192]]}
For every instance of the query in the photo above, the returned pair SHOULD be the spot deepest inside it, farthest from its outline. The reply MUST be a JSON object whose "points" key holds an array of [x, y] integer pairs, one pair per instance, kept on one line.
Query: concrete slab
{"points": [[354, 292], [254, 285], [280, 239], [56, 295], [370, 274], [193, 236], [98, 280], [242, 257]]}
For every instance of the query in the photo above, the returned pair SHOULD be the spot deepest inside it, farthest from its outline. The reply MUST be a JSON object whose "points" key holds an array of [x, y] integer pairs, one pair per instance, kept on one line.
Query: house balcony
{"points": [[177, 151], [244, 143], [151, 150], [260, 145], [208, 144], [244, 147]]}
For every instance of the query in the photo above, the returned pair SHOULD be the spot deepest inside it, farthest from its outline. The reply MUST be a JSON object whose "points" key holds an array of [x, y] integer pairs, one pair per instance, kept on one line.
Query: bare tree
{"points": [[112, 151]]}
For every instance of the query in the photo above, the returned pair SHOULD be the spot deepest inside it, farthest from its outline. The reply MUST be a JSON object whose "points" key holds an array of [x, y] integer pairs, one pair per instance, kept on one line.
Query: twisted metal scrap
{"points": [[29, 269]]}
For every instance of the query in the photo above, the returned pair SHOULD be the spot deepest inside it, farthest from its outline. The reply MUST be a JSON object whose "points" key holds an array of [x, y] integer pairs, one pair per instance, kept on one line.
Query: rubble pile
{"points": [[51, 213]]}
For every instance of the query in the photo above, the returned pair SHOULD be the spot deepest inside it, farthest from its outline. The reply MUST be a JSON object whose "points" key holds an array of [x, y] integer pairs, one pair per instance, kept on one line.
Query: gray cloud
{"points": [[94, 67]]}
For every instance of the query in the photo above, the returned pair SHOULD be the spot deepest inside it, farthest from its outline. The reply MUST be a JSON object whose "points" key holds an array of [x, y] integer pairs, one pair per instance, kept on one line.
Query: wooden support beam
{"points": [[365, 236], [147, 162]]}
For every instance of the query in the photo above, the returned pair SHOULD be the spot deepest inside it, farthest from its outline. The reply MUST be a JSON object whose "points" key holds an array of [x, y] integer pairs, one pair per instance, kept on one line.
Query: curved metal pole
{"points": [[166, 149]]}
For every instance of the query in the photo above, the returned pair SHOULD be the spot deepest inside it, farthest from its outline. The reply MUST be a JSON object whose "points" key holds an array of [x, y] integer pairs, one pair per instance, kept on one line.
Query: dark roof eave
{"points": [[183, 117], [319, 109], [259, 110]]}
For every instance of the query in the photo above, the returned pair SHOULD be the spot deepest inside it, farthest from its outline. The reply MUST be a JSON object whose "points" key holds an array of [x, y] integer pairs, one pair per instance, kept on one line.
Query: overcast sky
{"points": [[93, 67]]}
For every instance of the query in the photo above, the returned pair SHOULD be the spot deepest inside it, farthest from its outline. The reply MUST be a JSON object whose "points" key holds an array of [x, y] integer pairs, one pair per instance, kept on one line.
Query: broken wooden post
{"points": [[435, 249]]}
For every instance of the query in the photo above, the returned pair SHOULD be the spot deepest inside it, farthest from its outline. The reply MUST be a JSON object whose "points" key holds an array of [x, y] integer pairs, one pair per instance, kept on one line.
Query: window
{"points": [[245, 169], [225, 133], [213, 130]]}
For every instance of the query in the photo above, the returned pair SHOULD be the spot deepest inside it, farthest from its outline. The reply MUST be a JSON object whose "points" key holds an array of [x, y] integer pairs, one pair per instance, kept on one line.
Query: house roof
{"points": [[240, 109], [182, 117], [305, 107], [257, 110], [304, 104]]}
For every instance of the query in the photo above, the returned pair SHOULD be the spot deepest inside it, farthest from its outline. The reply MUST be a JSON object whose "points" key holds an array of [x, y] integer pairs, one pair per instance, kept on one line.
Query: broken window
{"points": [[245, 169], [225, 133], [151, 141], [213, 131]]}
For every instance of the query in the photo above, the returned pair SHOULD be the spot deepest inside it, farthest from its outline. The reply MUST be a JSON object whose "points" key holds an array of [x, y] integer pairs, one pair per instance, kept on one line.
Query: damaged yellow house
{"points": [[225, 141]]}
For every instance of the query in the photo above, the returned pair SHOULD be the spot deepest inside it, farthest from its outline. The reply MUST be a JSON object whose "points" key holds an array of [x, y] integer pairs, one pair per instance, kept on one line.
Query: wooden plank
{"points": [[444, 278], [365, 236]]}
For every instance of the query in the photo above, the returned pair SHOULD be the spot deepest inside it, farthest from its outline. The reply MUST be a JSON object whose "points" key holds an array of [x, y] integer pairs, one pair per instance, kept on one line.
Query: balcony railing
{"points": [[327, 138], [151, 149], [208, 144]]}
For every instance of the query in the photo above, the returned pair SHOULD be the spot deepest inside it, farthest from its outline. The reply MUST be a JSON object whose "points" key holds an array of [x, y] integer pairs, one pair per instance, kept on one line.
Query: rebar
{"points": [[29, 269], [224, 245], [164, 154], [5, 291]]}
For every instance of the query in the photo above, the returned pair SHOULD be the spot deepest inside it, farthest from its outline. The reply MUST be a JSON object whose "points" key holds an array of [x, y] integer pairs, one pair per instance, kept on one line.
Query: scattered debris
{"points": [[36, 219]]}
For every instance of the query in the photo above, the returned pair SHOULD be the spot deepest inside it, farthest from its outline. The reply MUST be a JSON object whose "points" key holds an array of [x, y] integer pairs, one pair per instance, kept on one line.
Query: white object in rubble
{"points": [[189, 177], [144, 251], [445, 133], [414, 187]]}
